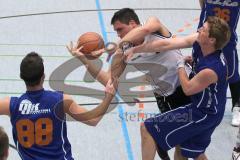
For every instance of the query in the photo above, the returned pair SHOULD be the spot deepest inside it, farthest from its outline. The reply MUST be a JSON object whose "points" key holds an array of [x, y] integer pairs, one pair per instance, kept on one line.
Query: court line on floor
{"points": [[94, 10], [120, 108]]}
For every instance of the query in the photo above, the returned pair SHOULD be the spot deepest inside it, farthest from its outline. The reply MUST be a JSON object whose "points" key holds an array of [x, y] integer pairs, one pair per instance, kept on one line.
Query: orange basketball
{"points": [[90, 41]]}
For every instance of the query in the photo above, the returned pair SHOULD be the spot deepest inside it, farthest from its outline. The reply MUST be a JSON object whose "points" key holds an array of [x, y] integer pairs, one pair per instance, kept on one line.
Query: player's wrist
{"points": [[125, 45], [109, 96], [181, 63], [83, 59]]}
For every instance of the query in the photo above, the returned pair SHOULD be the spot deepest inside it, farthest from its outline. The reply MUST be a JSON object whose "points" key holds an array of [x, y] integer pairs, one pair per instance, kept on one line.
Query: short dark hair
{"points": [[4, 142], [32, 69], [219, 29], [125, 15]]}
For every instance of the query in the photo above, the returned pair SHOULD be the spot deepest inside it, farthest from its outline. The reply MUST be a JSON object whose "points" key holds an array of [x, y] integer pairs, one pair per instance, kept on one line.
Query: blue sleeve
{"points": [[220, 71]]}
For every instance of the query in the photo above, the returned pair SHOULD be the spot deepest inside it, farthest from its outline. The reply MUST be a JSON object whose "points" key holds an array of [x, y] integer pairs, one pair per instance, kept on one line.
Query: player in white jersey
{"points": [[160, 68]]}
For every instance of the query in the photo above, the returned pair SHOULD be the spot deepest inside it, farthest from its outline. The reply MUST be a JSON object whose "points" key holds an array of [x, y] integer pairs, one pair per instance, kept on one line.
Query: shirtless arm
{"points": [[5, 106], [167, 44], [198, 83], [91, 117], [137, 35]]}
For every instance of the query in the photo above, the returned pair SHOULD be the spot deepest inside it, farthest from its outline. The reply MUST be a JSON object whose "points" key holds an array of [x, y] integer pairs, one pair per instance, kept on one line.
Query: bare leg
{"points": [[202, 157], [148, 144], [238, 139], [178, 155]]}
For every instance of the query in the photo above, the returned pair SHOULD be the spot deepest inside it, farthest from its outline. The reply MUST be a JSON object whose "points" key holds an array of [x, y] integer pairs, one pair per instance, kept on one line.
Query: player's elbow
{"points": [[146, 30], [87, 121], [93, 122], [188, 91]]}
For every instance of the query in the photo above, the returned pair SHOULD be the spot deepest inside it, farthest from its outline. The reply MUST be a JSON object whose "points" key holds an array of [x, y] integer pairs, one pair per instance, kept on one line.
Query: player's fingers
{"points": [[114, 82], [74, 47], [111, 47], [79, 49], [109, 87], [98, 52], [70, 48]]}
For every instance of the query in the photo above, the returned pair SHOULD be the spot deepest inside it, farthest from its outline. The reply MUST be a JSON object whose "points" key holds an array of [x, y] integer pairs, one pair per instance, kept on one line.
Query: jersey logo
{"points": [[229, 3], [26, 107]]}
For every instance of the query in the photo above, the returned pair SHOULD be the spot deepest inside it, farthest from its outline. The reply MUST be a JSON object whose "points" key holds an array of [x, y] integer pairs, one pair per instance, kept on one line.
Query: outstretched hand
{"points": [[112, 86], [183, 60], [76, 52], [97, 53], [188, 59]]}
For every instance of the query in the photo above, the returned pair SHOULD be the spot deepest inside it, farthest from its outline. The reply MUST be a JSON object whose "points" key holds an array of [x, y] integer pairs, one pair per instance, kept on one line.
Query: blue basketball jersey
{"points": [[225, 9], [202, 116], [212, 99], [39, 128]]}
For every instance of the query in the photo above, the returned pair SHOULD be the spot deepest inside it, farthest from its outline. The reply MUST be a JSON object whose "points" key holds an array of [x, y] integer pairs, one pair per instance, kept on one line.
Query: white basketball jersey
{"points": [[160, 68]]}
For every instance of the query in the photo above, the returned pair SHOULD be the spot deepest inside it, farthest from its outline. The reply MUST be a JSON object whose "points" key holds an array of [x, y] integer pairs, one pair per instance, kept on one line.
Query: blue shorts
{"points": [[186, 126], [230, 53]]}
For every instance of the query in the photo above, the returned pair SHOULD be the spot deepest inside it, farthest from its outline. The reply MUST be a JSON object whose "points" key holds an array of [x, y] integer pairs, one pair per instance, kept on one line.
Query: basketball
{"points": [[91, 41]]}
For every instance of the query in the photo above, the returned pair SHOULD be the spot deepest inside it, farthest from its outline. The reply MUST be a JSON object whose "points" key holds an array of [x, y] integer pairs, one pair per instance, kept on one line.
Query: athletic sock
{"points": [[235, 93]]}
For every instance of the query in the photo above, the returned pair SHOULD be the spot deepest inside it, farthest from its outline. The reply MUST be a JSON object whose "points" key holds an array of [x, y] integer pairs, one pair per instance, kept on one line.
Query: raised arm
{"points": [[137, 35], [5, 106], [167, 44], [96, 72], [117, 67], [91, 117]]}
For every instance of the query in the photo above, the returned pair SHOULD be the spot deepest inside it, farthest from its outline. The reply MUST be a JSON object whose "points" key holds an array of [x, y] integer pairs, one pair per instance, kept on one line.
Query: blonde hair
{"points": [[219, 29]]}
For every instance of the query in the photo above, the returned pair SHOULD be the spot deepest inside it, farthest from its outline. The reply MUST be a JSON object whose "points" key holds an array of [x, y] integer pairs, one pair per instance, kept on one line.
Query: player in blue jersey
{"points": [[229, 11], [4, 144], [38, 116], [207, 86]]}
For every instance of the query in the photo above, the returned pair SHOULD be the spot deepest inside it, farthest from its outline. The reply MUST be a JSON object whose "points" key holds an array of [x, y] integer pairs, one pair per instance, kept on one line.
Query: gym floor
{"points": [[46, 26]]}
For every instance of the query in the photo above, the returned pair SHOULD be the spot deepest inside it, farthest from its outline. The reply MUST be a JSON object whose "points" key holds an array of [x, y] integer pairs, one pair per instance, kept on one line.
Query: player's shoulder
{"points": [[218, 64], [53, 92]]}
